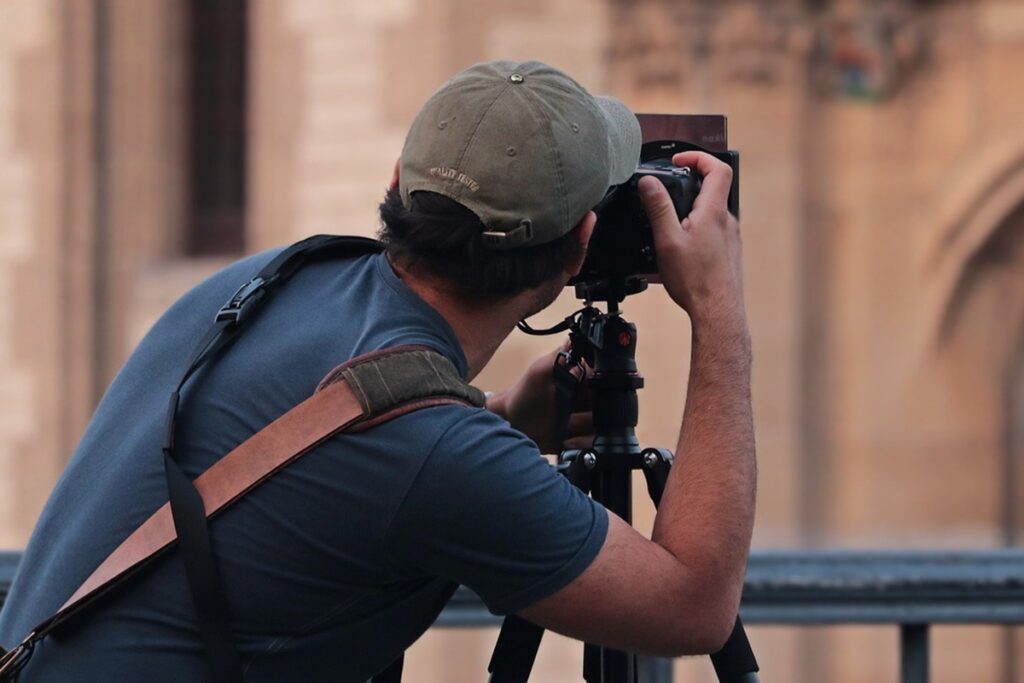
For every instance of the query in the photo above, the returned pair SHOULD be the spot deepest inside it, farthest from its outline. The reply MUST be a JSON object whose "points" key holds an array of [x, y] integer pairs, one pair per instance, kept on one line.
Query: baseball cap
{"points": [[523, 146]]}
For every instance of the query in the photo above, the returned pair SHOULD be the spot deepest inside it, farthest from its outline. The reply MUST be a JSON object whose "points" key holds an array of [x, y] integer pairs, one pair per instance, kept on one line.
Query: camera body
{"points": [[622, 246]]}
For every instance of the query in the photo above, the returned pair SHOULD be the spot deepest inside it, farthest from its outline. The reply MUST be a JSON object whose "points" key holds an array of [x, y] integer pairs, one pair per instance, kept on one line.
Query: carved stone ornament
{"points": [[855, 49], [867, 51]]}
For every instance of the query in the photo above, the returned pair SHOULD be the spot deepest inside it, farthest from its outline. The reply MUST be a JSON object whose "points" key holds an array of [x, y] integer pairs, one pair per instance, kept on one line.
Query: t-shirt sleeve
{"points": [[489, 512]]}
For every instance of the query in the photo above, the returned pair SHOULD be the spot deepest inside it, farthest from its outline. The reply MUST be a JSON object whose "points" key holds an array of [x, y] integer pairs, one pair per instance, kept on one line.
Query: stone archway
{"points": [[992, 267], [1013, 491], [982, 326], [979, 206], [979, 335], [1013, 512]]}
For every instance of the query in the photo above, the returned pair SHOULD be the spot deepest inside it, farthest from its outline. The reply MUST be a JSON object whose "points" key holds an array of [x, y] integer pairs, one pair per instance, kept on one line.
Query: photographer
{"points": [[340, 561]]}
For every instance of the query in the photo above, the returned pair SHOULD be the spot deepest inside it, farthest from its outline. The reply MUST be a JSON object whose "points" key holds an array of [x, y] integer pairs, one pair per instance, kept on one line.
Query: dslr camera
{"points": [[621, 251]]}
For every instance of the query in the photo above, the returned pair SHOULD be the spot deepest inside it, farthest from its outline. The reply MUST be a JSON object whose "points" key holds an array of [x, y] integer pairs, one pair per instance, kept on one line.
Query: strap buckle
{"points": [[13, 661], [565, 363], [240, 304]]}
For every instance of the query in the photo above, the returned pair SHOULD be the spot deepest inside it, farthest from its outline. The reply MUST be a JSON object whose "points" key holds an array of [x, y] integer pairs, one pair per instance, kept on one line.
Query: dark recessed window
{"points": [[216, 127]]}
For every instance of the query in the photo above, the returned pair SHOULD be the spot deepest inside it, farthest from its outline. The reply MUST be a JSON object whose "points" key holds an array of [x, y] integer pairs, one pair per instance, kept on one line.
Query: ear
{"points": [[394, 176], [582, 232]]}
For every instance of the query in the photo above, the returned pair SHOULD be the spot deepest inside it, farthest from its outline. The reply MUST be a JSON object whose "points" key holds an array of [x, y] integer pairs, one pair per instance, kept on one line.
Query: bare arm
{"points": [[707, 511], [679, 592]]}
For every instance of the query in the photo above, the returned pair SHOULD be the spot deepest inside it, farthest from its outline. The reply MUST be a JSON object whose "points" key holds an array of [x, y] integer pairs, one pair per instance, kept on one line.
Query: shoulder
{"points": [[477, 435], [479, 460], [488, 511], [462, 449], [457, 435]]}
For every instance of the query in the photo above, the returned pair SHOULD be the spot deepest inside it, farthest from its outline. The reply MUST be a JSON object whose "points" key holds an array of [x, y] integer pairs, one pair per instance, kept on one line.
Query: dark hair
{"points": [[442, 237]]}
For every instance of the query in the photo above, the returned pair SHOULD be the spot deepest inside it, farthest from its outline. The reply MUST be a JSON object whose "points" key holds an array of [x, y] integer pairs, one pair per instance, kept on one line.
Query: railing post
{"points": [[914, 653]]}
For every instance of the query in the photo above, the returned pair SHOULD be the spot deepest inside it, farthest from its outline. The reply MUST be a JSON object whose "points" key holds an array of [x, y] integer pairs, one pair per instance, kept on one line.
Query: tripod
{"points": [[607, 343]]}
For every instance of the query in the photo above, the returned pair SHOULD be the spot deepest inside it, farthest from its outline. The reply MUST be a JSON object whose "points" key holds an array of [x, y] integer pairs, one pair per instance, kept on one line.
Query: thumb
{"points": [[660, 209]]}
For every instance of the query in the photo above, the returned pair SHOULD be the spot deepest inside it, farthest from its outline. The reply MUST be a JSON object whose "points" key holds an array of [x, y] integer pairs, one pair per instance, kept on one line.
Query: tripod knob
{"points": [[653, 457]]}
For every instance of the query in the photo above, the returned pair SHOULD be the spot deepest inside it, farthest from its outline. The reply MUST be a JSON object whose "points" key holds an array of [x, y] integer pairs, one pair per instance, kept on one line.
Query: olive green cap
{"points": [[523, 146]]}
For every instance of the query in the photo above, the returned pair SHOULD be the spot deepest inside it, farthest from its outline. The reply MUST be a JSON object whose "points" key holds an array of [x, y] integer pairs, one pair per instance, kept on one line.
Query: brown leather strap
{"points": [[332, 409], [293, 434]]}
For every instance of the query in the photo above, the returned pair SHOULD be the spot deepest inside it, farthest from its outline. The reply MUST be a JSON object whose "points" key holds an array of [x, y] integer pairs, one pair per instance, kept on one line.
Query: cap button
{"points": [[516, 78]]}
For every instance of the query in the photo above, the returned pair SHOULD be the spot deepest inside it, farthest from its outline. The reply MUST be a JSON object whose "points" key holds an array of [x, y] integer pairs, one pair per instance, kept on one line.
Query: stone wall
{"points": [[883, 180], [31, 348]]}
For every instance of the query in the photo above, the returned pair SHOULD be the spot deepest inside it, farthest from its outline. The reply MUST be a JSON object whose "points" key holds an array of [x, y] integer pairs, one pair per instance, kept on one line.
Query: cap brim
{"points": [[624, 139]]}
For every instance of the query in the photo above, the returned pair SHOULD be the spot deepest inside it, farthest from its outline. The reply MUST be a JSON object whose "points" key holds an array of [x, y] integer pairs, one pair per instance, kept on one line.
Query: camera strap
{"points": [[361, 393], [567, 384]]}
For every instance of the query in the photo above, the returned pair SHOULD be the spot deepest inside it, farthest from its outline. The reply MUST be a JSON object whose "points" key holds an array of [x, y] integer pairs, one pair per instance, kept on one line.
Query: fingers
{"points": [[661, 212], [657, 203], [581, 424], [716, 173], [579, 434], [581, 431]]}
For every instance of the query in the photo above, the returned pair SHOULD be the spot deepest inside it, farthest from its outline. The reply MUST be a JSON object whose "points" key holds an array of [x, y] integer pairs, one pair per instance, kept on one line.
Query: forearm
{"points": [[706, 513]]}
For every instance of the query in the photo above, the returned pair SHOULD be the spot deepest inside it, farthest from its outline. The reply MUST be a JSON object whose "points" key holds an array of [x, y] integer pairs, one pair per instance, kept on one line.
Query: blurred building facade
{"points": [[145, 143]]}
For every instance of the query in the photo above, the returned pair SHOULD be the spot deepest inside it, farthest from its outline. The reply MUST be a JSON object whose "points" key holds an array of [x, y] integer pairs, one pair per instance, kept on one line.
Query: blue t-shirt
{"points": [[337, 563]]}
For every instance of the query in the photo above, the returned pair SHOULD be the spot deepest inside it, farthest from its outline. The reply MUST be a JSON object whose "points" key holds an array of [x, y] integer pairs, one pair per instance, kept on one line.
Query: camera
{"points": [[622, 246]]}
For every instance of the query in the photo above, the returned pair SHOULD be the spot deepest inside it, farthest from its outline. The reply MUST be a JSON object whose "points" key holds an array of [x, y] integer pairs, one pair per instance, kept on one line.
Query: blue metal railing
{"points": [[913, 590]]}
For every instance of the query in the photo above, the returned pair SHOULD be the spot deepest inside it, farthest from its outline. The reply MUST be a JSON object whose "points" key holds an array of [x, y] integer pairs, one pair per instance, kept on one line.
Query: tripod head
{"points": [[610, 289], [605, 342], [602, 340]]}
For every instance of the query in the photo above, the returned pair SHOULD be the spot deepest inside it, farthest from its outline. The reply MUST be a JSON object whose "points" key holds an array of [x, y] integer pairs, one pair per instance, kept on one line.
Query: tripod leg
{"points": [[591, 663], [392, 674], [515, 651], [735, 662]]}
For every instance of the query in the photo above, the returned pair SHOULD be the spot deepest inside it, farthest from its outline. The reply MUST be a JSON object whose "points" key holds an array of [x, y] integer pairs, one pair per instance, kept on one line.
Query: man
{"points": [[340, 561]]}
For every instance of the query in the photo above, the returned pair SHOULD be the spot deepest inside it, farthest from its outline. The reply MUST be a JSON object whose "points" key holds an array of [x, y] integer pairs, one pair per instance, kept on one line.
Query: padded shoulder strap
{"points": [[385, 380]]}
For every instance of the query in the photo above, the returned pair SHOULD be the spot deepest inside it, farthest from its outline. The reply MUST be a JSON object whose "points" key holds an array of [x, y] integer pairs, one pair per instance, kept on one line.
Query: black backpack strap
{"points": [[204, 580]]}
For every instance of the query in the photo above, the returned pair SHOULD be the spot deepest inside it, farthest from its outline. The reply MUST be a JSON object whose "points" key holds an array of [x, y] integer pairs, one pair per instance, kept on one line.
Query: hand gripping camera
{"points": [[621, 257]]}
